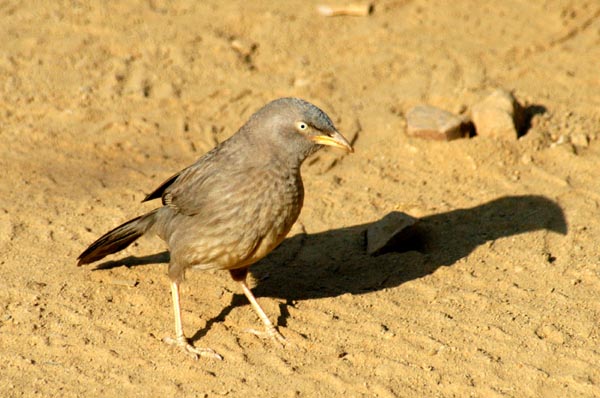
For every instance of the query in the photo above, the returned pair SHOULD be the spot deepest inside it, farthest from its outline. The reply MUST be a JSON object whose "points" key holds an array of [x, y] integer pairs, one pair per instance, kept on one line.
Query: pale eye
{"points": [[301, 126]]}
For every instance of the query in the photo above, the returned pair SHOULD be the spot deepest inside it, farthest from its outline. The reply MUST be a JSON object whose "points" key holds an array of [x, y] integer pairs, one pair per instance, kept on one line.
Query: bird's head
{"points": [[294, 127]]}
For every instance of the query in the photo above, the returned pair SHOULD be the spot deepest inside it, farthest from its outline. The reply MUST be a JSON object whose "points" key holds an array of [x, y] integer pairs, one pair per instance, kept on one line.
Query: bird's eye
{"points": [[301, 126]]}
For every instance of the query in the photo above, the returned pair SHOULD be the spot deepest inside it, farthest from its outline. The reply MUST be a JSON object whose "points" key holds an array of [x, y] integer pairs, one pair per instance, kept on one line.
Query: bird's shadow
{"points": [[335, 262]]}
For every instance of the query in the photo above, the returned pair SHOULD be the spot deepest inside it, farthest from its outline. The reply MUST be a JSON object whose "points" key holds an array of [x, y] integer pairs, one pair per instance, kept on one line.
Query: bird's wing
{"points": [[159, 192], [216, 189], [210, 182], [179, 182], [191, 189], [187, 193]]}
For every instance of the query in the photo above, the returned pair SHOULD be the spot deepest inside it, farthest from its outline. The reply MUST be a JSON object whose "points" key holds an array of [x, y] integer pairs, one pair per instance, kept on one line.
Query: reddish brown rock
{"points": [[433, 123]]}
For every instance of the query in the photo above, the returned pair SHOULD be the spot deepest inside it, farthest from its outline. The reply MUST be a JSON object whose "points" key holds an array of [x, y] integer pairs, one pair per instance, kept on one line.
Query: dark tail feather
{"points": [[117, 239]]}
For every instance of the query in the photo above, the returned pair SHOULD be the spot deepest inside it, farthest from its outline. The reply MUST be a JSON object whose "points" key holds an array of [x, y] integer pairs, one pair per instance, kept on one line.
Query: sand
{"points": [[498, 296]]}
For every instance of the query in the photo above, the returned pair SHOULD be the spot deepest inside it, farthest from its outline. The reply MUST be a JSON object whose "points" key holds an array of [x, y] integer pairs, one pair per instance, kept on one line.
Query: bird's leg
{"points": [[239, 275], [270, 329], [180, 339]]}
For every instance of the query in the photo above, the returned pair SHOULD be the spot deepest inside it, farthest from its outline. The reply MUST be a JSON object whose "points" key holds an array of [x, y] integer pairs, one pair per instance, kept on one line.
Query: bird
{"points": [[233, 206]]}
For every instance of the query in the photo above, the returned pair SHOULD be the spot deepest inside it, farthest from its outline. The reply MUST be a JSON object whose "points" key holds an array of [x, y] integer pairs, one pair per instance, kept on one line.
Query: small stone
{"points": [[243, 48], [356, 10], [245, 51], [432, 123], [499, 115], [526, 159], [301, 82], [393, 227], [580, 140], [124, 282], [551, 334]]}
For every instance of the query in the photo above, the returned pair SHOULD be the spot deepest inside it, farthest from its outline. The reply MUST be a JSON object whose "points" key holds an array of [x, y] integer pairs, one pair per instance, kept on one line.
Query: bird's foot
{"points": [[271, 333], [195, 352]]}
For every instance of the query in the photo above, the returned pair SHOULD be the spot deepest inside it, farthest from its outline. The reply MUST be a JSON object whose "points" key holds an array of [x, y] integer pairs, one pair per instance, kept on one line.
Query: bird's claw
{"points": [[271, 333], [195, 352]]}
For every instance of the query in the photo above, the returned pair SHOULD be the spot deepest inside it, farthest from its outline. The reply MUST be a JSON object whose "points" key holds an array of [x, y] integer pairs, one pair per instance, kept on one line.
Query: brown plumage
{"points": [[235, 204]]}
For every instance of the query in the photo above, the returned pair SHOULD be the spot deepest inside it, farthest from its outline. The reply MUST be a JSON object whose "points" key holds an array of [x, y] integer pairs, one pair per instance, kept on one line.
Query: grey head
{"points": [[292, 128]]}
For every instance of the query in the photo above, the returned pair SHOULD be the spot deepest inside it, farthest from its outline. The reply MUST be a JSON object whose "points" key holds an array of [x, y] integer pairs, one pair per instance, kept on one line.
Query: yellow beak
{"points": [[335, 139]]}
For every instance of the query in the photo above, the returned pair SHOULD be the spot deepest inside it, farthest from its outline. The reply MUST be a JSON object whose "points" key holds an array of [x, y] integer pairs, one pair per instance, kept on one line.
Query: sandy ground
{"points": [[100, 103]]}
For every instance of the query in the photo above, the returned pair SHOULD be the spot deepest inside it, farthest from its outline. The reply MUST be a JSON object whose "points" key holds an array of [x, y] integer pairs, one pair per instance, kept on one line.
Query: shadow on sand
{"points": [[335, 262]]}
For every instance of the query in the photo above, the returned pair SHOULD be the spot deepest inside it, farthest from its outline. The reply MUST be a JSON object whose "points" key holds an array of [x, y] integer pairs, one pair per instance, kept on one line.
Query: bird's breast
{"points": [[280, 210], [244, 219]]}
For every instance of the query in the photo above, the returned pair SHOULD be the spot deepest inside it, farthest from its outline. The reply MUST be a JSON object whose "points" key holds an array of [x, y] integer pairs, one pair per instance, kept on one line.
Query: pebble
{"points": [[580, 140], [244, 48], [393, 226], [526, 159], [124, 282], [499, 115], [356, 10], [551, 334], [429, 122]]}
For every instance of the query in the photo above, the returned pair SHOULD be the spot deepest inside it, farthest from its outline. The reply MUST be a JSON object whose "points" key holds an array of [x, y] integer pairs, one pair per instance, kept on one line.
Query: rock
{"points": [[550, 333], [499, 115], [245, 51], [394, 227], [244, 48], [432, 123], [580, 140], [357, 10]]}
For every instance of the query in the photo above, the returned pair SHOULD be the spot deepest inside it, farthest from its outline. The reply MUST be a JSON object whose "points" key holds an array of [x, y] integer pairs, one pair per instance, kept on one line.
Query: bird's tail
{"points": [[118, 238]]}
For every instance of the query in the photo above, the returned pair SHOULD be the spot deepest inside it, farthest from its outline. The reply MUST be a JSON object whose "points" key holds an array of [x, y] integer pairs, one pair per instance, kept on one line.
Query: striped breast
{"points": [[241, 218]]}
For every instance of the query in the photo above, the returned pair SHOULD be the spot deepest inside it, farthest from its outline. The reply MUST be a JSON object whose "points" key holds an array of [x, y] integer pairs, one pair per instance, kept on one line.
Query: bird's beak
{"points": [[335, 139]]}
